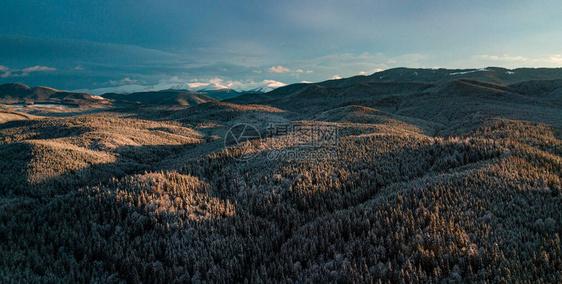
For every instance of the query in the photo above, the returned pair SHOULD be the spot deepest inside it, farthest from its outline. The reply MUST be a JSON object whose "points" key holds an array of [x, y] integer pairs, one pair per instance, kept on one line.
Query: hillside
{"points": [[429, 181], [18, 93], [489, 74], [495, 75], [168, 97]]}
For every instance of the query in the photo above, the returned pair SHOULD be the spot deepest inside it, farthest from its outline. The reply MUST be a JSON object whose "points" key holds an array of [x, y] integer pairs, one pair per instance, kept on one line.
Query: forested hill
{"points": [[453, 181]]}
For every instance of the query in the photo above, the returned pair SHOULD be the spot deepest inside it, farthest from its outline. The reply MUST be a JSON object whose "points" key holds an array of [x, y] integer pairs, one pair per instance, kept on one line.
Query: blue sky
{"points": [[105, 44]]}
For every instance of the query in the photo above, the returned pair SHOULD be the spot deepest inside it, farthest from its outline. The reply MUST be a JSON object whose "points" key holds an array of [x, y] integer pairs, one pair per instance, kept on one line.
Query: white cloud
{"points": [[350, 64], [37, 68], [124, 81], [178, 83], [274, 84], [217, 84], [257, 71], [79, 68], [216, 81], [197, 85], [7, 72], [504, 57], [299, 71], [279, 69], [336, 77], [371, 71], [556, 58], [129, 80], [306, 82], [264, 85], [509, 60]]}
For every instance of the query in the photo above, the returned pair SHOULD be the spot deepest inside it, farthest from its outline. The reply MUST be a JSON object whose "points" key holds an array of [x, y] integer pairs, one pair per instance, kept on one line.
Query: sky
{"points": [[88, 45]]}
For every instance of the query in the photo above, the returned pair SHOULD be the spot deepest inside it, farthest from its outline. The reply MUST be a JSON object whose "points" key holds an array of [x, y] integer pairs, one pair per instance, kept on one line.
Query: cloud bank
{"points": [[11, 73]]}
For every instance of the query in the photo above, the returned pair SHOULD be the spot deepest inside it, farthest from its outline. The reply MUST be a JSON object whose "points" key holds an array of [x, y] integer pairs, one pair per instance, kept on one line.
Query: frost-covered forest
{"points": [[453, 181]]}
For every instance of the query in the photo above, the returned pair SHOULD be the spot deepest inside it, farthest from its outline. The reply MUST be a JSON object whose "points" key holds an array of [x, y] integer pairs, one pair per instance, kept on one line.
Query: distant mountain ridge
{"points": [[496, 75], [167, 97], [520, 80], [18, 93], [438, 97], [215, 90]]}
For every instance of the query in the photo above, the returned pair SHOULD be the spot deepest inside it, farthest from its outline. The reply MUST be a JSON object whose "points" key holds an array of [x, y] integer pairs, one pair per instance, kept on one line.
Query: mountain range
{"points": [[219, 91], [18, 93], [216, 89], [438, 75]]}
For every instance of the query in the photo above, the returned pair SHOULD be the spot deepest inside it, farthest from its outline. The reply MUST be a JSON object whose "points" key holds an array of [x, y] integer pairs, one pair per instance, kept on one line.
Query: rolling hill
{"points": [[495, 75], [19, 93], [168, 97], [441, 179]]}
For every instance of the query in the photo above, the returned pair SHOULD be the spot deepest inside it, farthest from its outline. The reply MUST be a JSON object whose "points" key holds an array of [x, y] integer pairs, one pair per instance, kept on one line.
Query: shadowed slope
{"points": [[162, 98], [366, 115]]}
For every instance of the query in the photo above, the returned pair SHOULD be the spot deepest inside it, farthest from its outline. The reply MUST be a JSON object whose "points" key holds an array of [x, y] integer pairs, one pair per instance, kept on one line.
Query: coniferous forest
{"points": [[431, 180]]}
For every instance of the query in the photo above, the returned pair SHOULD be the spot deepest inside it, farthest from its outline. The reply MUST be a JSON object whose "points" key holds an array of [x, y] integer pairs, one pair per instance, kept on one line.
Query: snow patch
{"points": [[510, 72], [470, 71]]}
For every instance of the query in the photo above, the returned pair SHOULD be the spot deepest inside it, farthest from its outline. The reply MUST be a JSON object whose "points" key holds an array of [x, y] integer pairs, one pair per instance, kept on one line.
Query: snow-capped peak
{"points": [[211, 85]]}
